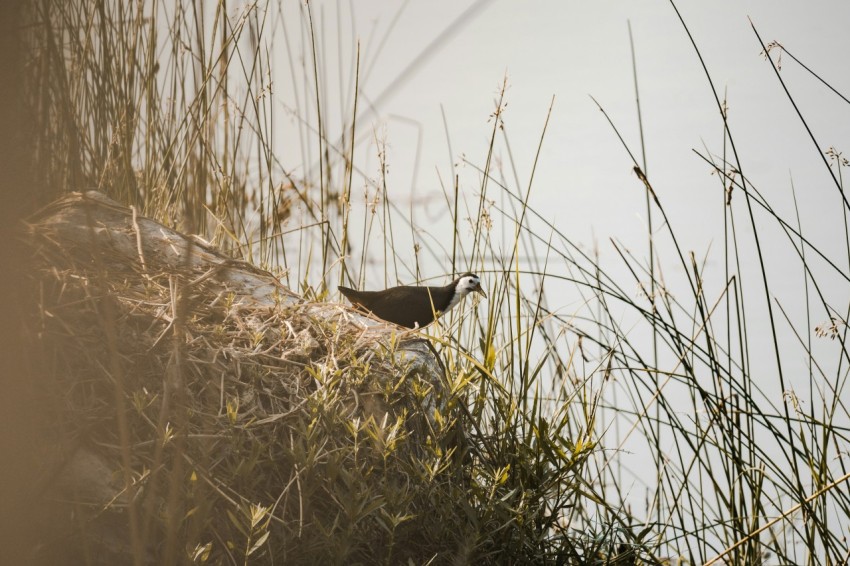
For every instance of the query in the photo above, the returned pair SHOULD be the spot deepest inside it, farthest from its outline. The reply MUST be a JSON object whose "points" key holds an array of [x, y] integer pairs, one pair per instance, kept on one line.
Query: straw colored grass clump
{"points": [[194, 421]]}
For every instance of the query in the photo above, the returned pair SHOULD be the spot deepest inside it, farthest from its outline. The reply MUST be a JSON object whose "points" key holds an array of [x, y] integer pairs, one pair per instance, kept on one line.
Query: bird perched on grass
{"points": [[414, 306]]}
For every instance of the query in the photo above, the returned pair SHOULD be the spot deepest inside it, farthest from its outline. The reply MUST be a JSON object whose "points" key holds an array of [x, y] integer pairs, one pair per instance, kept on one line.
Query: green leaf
{"points": [[260, 542]]}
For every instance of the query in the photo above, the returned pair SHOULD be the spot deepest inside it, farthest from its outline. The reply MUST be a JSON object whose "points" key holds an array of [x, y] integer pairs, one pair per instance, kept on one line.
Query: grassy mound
{"points": [[189, 424]]}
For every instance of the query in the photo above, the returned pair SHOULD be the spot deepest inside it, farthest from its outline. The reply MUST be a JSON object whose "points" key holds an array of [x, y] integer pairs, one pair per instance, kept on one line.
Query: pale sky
{"points": [[572, 51]]}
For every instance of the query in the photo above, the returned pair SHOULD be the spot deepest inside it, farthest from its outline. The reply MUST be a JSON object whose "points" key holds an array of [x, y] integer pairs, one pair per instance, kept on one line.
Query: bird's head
{"points": [[468, 283]]}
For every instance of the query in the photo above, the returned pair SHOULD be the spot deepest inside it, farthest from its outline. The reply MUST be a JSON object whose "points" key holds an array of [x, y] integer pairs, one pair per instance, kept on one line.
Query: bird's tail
{"points": [[349, 294]]}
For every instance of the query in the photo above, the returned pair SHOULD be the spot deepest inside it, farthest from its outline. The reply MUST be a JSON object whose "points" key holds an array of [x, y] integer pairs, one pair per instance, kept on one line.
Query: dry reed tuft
{"points": [[293, 430]]}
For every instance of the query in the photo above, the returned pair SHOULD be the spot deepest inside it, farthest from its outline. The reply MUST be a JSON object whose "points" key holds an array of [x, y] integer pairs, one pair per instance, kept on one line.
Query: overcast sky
{"points": [[423, 61], [574, 50]]}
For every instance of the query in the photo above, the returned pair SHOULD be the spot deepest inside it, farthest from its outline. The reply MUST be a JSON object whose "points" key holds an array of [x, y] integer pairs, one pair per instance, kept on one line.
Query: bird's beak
{"points": [[480, 290]]}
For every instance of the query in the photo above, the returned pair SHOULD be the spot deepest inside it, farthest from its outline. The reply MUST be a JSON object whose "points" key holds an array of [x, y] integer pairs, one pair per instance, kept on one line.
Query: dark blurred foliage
{"points": [[19, 411]]}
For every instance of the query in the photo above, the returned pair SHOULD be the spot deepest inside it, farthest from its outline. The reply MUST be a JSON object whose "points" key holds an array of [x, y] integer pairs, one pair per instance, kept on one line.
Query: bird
{"points": [[413, 306]]}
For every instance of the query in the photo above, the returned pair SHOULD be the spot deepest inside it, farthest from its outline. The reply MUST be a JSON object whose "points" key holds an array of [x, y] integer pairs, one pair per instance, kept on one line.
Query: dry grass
{"points": [[288, 432], [284, 411]]}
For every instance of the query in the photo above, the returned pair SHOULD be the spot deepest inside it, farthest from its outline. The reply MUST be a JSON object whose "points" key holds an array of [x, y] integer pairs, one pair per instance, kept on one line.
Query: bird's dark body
{"points": [[405, 306]]}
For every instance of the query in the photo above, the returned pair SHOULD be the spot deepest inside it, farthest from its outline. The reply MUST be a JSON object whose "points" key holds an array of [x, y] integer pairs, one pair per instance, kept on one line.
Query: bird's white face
{"points": [[468, 284]]}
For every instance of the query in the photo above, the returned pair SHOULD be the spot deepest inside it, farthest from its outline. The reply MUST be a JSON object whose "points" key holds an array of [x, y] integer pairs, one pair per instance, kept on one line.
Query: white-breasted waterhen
{"points": [[411, 306]]}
